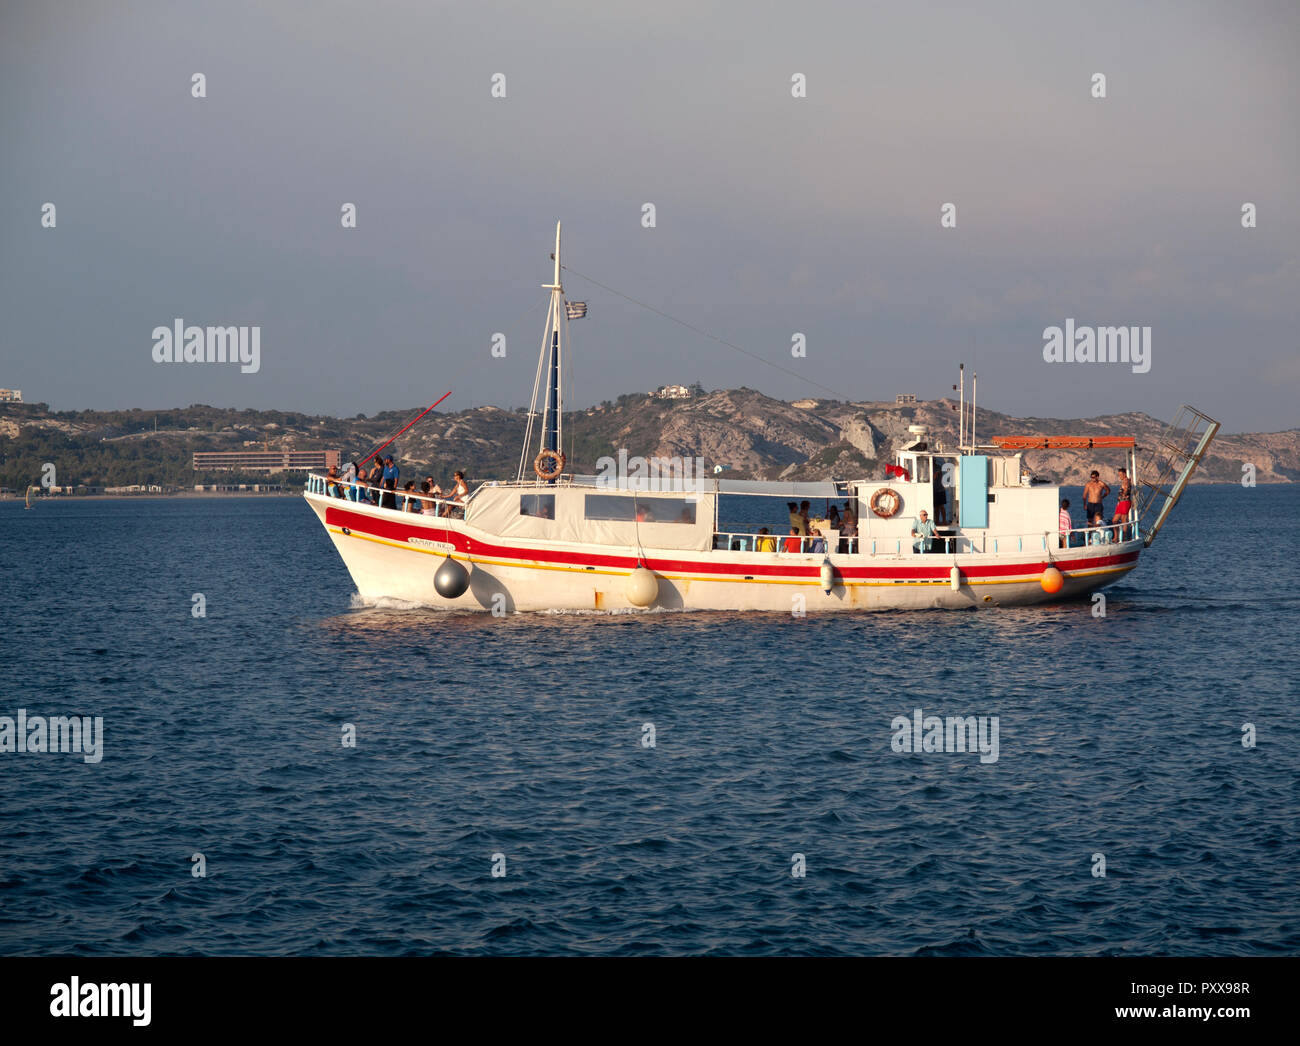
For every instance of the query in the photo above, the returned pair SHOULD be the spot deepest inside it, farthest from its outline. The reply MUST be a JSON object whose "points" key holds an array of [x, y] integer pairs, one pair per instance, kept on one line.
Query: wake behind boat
{"points": [[948, 528]]}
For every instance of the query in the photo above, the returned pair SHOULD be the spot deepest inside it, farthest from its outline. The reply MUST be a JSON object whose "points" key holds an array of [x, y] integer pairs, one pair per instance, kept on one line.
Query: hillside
{"points": [[751, 435]]}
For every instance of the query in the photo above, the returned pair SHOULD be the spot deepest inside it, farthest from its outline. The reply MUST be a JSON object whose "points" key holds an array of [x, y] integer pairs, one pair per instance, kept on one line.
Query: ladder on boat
{"points": [[1165, 472]]}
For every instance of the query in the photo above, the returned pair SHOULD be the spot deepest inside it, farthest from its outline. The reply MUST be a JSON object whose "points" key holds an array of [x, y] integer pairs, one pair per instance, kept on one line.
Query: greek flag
{"points": [[576, 309]]}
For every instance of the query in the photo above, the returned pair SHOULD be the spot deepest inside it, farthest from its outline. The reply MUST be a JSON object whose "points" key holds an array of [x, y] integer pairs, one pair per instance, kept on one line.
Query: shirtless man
{"points": [[1093, 495]]}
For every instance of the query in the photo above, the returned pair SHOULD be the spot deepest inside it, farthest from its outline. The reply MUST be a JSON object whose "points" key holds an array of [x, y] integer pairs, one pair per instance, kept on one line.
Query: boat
{"points": [[653, 539]]}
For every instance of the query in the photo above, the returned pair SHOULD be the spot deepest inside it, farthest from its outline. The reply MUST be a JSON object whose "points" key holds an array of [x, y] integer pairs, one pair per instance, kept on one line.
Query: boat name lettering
{"points": [[438, 546]]}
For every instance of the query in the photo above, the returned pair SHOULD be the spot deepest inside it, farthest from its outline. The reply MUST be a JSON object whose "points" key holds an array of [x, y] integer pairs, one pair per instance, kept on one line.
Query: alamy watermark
{"points": [[80, 734], [71, 998], [1098, 345], [655, 473], [181, 344], [932, 733]]}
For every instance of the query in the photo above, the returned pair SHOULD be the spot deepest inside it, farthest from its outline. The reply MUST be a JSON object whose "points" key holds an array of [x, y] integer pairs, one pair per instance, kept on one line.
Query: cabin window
{"points": [[922, 470], [540, 505], [643, 510]]}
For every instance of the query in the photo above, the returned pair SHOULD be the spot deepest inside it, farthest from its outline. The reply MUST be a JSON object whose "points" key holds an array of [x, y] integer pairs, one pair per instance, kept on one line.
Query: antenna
{"points": [[556, 285], [961, 409], [552, 436]]}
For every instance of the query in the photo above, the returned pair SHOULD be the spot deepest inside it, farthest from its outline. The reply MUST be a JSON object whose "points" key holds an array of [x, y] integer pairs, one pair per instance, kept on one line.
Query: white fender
{"points": [[642, 587], [828, 575]]}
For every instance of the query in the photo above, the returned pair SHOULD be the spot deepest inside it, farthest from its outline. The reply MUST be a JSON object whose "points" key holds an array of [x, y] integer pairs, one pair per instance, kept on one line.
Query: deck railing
{"points": [[1040, 541], [367, 494], [749, 541], [1076, 537]]}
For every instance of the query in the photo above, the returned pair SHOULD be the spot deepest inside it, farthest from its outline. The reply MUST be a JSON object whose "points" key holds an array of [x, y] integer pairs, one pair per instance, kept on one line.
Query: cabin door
{"points": [[943, 490], [924, 493]]}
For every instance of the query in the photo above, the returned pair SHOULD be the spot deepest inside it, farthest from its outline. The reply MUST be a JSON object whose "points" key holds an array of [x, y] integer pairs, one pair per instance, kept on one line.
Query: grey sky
{"points": [[774, 214]]}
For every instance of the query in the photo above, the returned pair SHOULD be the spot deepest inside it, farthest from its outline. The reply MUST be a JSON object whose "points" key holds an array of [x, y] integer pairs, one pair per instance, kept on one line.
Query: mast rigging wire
{"points": [[704, 333]]}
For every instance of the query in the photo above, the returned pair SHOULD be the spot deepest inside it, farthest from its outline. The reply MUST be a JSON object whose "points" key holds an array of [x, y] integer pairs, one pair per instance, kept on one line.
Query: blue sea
{"points": [[1120, 750]]}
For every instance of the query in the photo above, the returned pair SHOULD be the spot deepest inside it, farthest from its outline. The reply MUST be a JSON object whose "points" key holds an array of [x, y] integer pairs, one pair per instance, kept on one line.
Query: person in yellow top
{"points": [[764, 544], [798, 516]]}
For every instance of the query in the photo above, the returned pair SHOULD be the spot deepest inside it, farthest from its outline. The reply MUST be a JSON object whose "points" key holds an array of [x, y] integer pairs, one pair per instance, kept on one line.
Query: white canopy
{"points": [[793, 491]]}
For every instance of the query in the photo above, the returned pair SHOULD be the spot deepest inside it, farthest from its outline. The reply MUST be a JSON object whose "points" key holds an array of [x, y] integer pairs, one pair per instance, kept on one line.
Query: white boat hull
{"points": [[393, 555]]}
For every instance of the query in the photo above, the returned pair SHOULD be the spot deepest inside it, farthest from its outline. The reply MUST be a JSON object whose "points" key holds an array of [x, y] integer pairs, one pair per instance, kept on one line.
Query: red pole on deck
{"points": [[401, 430]]}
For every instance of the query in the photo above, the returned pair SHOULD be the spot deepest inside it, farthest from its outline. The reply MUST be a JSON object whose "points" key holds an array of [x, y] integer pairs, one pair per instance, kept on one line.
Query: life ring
{"points": [[891, 498], [555, 457]]}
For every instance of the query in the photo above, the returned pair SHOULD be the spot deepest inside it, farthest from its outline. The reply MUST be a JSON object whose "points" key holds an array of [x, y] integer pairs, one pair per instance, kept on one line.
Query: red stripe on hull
{"points": [[400, 531]]}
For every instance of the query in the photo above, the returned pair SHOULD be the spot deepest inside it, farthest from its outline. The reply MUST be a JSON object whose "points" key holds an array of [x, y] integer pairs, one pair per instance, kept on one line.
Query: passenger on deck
{"points": [[818, 543], [833, 518], [388, 477], [1124, 505], [1066, 524], [794, 542], [923, 531], [410, 503], [430, 490], [1125, 487], [350, 473], [848, 528], [1100, 535], [371, 479], [764, 544], [332, 487], [1093, 496], [459, 493]]}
